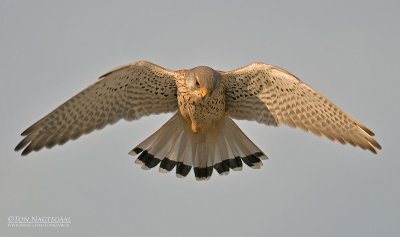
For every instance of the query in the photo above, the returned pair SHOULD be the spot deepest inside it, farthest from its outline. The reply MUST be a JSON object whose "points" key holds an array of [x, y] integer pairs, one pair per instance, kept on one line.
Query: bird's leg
{"points": [[195, 128]]}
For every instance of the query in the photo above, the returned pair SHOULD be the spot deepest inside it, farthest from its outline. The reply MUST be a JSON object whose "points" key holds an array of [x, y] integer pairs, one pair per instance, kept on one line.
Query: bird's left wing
{"points": [[273, 96], [128, 92]]}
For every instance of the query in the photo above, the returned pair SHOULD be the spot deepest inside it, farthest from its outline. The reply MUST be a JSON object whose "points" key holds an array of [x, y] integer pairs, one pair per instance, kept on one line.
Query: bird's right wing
{"points": [[273, 96], [128, 92]]}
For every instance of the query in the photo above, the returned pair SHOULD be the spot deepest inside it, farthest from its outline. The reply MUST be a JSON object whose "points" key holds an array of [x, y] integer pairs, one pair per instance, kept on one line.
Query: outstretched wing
{"points": [[273, 96], [128, 92]]}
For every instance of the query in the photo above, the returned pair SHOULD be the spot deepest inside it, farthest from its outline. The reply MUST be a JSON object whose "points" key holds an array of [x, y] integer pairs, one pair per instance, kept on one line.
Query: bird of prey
{"points": [[201, 134]]}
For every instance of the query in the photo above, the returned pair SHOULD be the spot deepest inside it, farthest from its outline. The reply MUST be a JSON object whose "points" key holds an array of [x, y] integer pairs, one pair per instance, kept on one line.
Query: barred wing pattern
{"points": [[273, 96], [128, 92]]}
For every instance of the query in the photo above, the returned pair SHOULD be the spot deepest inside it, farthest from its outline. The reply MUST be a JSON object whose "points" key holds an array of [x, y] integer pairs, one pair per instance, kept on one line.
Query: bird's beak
{"points": [[203, 92]]}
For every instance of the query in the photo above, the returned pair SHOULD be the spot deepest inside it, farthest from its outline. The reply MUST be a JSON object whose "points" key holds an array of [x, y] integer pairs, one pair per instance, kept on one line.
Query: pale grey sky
{"points": [[347, 50]]}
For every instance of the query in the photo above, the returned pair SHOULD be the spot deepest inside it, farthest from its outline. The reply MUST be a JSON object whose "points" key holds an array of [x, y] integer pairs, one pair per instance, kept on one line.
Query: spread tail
{"points": [[175, 145]]}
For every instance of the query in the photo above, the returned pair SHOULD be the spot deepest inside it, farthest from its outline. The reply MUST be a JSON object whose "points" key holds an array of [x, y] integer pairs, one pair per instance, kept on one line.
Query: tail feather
{"points": [[174, 145]]}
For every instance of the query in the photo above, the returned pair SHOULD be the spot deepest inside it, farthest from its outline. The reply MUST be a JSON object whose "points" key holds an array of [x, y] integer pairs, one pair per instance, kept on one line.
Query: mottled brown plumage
{"points": [[202, 133]]}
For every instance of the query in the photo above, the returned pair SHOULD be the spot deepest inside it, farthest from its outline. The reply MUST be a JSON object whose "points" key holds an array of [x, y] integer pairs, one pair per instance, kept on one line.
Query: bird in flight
{"points": [[201, 134]]}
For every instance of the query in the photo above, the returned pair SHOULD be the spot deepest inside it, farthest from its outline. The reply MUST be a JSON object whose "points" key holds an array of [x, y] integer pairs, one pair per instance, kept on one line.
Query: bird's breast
{"points": [[203, 115]]}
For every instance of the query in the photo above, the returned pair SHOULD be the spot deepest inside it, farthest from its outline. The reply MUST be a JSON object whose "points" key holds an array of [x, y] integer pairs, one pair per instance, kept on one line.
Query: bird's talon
{"points": [[195, 129]]}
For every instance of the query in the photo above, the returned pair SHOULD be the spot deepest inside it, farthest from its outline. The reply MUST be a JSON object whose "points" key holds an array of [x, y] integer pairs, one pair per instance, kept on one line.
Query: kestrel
{"points": [[201, 134]]}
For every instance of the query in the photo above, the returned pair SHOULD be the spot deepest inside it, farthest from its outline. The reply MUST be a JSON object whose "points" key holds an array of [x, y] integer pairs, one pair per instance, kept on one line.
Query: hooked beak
{"points": [[203, 92]]}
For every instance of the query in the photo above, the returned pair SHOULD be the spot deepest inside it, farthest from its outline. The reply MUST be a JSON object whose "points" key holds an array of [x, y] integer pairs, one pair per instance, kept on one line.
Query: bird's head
{"points": [[202, 81]]}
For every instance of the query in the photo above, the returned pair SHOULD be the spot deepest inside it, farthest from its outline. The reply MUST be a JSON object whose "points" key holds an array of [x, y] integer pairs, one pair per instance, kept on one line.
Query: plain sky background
{"points": [[347, 50]]}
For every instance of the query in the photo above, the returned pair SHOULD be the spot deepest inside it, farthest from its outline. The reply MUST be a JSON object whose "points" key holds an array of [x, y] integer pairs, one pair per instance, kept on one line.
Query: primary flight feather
{"points": [[202, 133]]}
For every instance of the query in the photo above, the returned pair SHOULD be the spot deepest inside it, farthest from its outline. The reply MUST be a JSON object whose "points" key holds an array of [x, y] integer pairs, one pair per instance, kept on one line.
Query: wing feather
{"points": [[127, 92], [273, 96]]}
